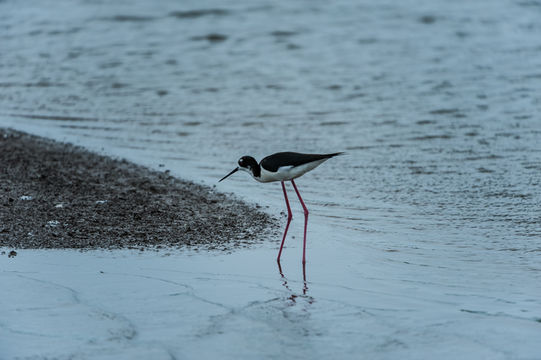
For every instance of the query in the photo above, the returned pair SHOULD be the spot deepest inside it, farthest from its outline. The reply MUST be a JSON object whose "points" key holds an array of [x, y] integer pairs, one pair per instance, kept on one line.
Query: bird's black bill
{"points": [[231, 173]]}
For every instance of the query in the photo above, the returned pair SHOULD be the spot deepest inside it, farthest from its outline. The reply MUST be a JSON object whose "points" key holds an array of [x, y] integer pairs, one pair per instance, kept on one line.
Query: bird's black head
{"points": [[248, 164]]}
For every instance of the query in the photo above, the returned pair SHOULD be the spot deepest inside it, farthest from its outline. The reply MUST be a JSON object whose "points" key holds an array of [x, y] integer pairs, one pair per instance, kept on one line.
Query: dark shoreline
{"points": [[57, 195]]}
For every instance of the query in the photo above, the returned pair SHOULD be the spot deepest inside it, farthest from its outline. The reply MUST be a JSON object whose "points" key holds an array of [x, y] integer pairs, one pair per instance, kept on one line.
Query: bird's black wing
{"points": [[275, 161]]}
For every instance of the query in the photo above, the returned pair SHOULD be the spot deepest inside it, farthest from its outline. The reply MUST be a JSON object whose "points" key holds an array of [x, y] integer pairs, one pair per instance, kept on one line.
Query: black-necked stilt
{"points": [[283, 166]]}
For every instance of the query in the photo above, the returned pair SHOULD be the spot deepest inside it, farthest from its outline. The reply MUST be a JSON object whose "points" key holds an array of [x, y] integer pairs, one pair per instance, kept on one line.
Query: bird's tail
{"points": [[335, 154]]}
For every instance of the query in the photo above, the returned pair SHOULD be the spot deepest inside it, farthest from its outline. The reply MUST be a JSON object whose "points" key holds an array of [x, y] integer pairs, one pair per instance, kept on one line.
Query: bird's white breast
{"points": [[286, 173]]}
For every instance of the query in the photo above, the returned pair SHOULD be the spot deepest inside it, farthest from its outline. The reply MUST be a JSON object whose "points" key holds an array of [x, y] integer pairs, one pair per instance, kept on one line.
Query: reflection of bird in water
{"points": [[294, 296], [284, 166]]}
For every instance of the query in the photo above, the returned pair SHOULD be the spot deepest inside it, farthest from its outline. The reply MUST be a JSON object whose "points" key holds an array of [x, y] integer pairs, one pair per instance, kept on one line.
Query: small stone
{"points": [[53, 223]]}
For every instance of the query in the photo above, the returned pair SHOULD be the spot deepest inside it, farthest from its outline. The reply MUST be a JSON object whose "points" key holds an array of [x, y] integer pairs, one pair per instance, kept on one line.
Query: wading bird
{"points": [[283, 166]]}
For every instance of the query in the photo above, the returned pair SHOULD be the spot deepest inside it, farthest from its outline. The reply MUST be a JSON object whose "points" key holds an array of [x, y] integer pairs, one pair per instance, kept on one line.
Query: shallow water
{"points": [[436, 104]]}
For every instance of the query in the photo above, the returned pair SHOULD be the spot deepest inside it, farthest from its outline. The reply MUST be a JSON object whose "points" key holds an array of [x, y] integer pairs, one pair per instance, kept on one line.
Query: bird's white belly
{"points": [[286, 173]]}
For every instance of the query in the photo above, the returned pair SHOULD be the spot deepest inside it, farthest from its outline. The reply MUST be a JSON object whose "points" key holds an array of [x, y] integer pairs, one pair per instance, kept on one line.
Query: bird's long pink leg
{"points": [[305, 222], [289, 216]]}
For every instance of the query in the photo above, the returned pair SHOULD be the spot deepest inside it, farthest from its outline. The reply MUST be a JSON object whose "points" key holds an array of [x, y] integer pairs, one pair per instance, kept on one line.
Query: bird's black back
{"points": [[274, 161]]}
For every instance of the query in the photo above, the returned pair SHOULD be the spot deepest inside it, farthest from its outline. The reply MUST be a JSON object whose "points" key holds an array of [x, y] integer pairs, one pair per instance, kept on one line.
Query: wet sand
{"points": [[56, 195]]}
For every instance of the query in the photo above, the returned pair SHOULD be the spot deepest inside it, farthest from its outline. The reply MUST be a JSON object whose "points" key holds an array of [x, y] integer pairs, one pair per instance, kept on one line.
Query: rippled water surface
{"points": [[435, 102]]}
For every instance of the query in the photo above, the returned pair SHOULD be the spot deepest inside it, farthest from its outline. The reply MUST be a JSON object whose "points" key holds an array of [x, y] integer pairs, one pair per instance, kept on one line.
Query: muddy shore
{"points": [[56, 195]]}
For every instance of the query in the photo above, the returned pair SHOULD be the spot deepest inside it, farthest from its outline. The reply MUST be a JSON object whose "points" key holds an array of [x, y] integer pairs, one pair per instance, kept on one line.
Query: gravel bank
{"points": [[56, 195]]}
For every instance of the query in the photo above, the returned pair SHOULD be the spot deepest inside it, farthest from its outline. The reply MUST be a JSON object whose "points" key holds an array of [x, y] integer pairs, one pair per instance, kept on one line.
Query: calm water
{"points": [[436, 103]]}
